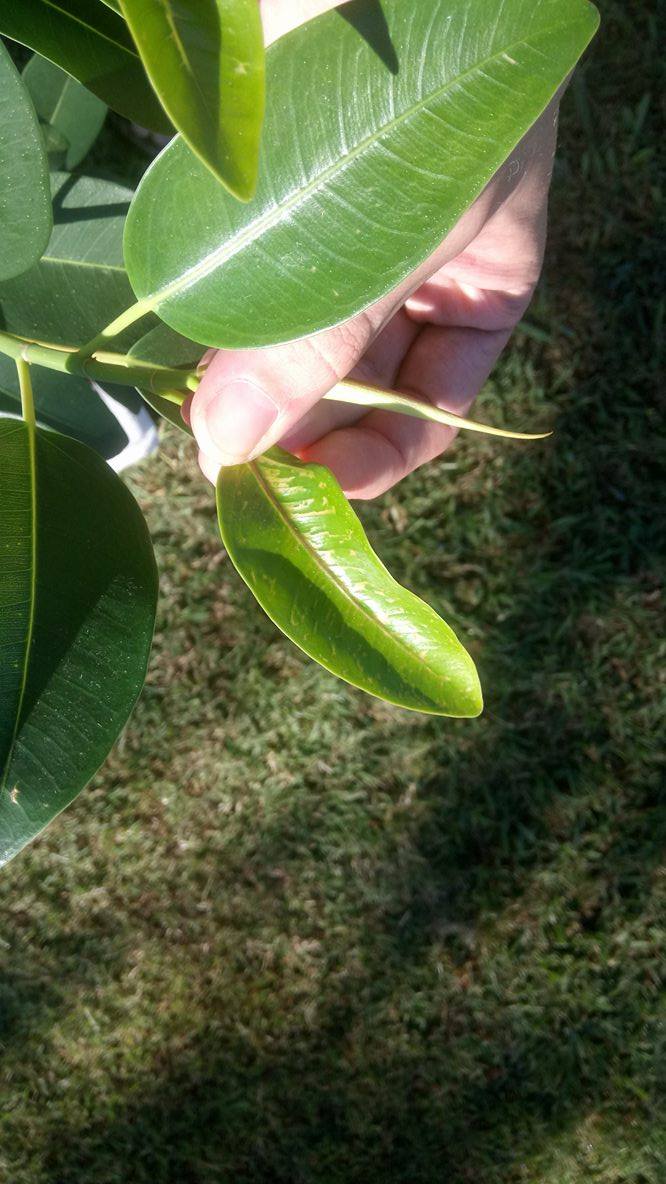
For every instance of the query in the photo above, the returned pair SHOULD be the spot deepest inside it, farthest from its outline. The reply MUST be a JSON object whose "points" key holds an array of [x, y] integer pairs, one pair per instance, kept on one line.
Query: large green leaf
{"points": [[369, 159], [298, 544], [92, 43], [205, 59], [78, 588], [66, 105], [81, 282], [25, 200]]}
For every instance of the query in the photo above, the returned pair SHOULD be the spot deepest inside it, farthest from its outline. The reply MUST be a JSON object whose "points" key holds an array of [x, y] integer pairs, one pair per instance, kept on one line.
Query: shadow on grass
{"points": [[31, 997], [390, 1081], [453, 1097]]}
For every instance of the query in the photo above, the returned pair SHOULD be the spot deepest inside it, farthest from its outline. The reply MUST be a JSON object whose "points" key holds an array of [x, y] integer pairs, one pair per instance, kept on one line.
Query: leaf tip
{"points": [[474, 700], [466, 702]]}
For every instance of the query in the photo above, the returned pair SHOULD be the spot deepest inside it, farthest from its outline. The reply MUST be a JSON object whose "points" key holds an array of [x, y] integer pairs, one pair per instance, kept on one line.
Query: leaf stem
{"points": [[121, 369], [136, 312], [27, 398]]}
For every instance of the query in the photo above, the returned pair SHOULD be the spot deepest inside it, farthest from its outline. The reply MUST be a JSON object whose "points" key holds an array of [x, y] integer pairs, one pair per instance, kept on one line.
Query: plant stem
{"points": [[117, 368], [27, 398], [38, 355]]}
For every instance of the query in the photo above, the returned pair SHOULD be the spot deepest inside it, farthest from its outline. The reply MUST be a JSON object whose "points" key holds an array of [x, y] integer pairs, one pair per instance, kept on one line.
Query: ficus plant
{"points": [[278, 209]]}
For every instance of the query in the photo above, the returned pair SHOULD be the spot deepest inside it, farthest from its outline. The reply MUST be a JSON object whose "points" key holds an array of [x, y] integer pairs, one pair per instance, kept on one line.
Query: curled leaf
{"points": [[374, 398]]}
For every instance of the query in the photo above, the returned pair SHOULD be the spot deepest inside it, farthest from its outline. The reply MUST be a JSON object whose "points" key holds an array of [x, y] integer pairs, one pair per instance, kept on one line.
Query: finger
{"points": [[446, 366], [248, 399], [209, 467], [445, 300], [490, 283]]}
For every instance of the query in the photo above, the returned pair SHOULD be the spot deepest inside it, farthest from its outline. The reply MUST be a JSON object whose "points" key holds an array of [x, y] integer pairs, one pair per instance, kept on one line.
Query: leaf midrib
{"points": [[68, 81], [228, 250], [335, 579], [54, 259]]}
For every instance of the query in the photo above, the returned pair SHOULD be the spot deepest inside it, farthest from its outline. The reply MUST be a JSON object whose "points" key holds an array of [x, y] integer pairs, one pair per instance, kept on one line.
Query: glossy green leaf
{"points": [[205, 59], [66, 106], [297, 543], [78, 588], [370, 157], [81, 282], [25, 200], [93, 44]]}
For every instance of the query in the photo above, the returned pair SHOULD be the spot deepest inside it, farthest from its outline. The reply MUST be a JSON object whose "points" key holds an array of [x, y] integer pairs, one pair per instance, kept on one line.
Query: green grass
{"points": [[293, 936]]}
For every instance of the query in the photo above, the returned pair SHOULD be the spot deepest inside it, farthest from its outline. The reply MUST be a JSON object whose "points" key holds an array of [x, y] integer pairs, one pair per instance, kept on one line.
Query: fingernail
{"points": [[239, 419]]}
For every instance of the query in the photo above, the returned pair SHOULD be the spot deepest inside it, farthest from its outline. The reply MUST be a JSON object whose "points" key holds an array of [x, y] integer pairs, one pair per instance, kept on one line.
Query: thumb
{"points": [[248, 399]]}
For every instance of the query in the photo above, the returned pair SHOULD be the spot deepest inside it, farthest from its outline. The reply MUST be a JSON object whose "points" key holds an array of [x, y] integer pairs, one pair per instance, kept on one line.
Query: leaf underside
{"points": [[297, 543], [80, 283]]}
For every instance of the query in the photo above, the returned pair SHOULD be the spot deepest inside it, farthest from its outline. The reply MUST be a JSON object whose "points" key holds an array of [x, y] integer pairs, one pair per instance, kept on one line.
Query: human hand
{"points": [[437, 336]]}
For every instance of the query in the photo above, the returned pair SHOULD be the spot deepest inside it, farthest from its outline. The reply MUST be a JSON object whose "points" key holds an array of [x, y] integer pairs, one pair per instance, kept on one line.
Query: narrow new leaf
{"points": [[25, 199], [376, 399], [78, 588], [92, 43], [297, 543], [205, 59], [65, 106], [369, 159]]}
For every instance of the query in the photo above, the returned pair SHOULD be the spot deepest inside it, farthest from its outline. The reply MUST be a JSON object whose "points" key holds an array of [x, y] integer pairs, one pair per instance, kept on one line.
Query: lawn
{"points": [[291, 935]]}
